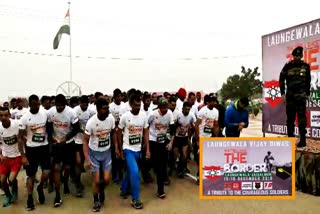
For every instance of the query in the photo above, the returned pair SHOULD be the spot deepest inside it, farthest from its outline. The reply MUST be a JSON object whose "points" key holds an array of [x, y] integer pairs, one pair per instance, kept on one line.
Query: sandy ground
{"points": [[182, 197]]}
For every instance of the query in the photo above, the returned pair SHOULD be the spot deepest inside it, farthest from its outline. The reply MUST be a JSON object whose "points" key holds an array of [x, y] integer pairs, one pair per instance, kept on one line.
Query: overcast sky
{"points": [[161, 32]]}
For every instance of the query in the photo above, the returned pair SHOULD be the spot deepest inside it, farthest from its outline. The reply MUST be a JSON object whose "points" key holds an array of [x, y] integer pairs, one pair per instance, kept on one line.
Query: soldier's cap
{"points": [[298, 51]]}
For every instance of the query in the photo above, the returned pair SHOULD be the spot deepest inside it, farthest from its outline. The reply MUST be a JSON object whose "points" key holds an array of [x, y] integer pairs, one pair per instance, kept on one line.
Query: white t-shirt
{"points": [[159, 125], [11, 110], [184, 123], [194, 108], [208, 119], [146, 112], [152, 106], [17, 114], [62, 122], [132, 126], [99, 132], [9, 139], [198, 103], [175, 114], [179, 105], [35, 126], [42, 108], [83, 117], [125, 107], [115, 110], [92, 107]]}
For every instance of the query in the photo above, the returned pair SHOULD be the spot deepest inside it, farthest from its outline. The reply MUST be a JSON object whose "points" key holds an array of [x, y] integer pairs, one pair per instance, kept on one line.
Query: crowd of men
{"points": [[114, 137]]}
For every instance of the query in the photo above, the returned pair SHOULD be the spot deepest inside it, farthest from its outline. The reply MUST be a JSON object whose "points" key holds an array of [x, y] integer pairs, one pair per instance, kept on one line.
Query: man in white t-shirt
{"points": [[181, 95], [45, 103], [116, 105], [33, 137], [96, 148], [126, 106], [96, 96], [10, 156], [19, 111], [184, 123], [84, 114], [154, 102], [160, 121], [146, 164], [198, 98], [65, 125], [13, 105], [134, 125], [207, 123], [171, 160], [192, 101], [146, 100], [114, 108]]}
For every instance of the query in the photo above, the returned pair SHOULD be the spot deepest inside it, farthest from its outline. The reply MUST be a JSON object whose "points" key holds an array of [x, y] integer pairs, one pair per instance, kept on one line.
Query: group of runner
{"points": [[111, 136]]}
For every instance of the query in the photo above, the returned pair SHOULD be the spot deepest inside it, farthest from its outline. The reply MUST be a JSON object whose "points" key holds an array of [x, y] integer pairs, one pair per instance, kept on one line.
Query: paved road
{"points": [[182, 197]]}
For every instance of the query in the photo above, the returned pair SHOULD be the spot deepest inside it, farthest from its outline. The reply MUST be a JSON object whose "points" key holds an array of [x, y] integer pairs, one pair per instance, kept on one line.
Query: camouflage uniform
{"points": [[296, 75]]}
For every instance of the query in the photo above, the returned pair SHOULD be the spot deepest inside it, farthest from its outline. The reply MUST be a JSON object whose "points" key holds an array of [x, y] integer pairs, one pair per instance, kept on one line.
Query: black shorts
{"points": [[64, 153], [79, 148], [180, 142], [37, 156]]}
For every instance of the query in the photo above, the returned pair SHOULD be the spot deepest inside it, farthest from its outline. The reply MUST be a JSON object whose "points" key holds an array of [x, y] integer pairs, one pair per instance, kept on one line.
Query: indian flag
{"points": [[65, 28]]}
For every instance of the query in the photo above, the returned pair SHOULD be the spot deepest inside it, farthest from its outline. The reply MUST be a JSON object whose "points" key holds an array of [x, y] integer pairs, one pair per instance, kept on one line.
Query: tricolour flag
{"points": [[65, 28]]}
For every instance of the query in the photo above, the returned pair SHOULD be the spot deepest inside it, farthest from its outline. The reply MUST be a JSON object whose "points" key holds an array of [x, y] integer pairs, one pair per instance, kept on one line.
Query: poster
{"points": [[247, 168], [276, 51]]}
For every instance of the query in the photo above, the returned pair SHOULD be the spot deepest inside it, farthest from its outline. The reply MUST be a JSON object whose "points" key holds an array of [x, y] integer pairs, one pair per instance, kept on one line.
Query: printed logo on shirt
{"points": [[161, 127], [210, 122], [103, 136], [135, 134], [38, 128], [208, 125], [182, 130], [133, 130], [60, 125]]}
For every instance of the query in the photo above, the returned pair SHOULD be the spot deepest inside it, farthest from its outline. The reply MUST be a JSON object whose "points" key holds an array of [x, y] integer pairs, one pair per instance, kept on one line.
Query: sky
{"points": [[217, 37]]}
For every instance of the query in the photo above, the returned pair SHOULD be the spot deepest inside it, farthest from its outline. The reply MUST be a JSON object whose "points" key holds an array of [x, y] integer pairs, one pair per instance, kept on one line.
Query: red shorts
{"points": [[10, 165]]}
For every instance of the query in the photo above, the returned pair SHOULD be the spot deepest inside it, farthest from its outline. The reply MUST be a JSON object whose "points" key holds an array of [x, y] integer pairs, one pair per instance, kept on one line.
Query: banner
{"points": [[276, 51], [247, 168]]}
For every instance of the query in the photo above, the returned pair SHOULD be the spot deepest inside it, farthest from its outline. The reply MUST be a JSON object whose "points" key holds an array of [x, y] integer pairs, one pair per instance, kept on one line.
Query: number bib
{"points": [[134, 139], [37, 138], [161, 138], [103, 142], [10, 140], [207, 130]]}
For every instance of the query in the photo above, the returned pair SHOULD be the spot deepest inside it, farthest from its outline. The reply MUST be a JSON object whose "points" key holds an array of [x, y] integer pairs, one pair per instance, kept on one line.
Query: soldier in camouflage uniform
{"points": [[296, 76]]}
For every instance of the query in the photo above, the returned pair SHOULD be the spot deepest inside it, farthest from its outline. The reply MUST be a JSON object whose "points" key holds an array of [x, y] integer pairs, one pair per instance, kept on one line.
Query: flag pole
{"points": [[70, 80]]}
